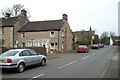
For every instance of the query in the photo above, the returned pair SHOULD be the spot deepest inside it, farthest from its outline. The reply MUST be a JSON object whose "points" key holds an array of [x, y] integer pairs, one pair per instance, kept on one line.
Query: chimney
{"points": [[23, 12], [90, 28], [7, 15], [65, 17]]}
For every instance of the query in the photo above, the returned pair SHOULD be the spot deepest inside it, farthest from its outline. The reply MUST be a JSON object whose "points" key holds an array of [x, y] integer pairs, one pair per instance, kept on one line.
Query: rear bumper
{"points": [[95, 47], [8, 66], [81, 50]]}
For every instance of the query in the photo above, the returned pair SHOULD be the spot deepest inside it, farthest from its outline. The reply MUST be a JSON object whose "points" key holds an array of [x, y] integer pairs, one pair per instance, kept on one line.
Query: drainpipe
{"points": [[58, 41], [13, 36]]}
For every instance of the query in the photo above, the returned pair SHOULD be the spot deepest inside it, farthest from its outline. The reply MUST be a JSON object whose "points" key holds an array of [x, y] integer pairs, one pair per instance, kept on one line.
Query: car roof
{"points": [[95, 44], [19, 49]]}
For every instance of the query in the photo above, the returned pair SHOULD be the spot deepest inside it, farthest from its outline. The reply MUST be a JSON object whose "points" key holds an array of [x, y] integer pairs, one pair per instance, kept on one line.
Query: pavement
{"points": [[112, 69], [52, 56]]}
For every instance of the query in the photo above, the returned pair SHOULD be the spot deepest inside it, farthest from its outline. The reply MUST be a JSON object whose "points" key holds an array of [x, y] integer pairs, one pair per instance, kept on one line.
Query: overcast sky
{"points": [[101, 15]]}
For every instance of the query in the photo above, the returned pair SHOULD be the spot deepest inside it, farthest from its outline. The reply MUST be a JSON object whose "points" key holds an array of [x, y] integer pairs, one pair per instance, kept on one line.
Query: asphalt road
{"points": [[71, 65]]}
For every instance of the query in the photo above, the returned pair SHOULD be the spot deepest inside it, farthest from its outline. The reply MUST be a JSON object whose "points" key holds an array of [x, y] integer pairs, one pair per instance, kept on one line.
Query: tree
{"points": [[96, 39], [16, 8], [13, 11], [105, 38], [7, 11]]}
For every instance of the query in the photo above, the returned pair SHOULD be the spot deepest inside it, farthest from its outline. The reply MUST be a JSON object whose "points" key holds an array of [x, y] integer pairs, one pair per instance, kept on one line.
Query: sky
{"points": [[101, 15]]}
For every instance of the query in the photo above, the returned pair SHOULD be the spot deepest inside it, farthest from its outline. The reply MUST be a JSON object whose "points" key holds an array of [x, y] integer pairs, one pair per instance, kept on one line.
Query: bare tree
{"points": [[7, 11], [112, 34], [16, 8], [13, 11]]}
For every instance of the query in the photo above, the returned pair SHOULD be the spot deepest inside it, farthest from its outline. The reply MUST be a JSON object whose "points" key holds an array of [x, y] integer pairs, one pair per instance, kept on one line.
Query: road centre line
{"points": [[67, 64], [85, 57], [36, 76]]}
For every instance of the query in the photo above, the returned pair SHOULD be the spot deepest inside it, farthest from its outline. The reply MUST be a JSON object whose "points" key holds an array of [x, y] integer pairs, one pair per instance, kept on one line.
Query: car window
{"points": [[25, 53], [82, 46], [10, 53], [33, 52]]}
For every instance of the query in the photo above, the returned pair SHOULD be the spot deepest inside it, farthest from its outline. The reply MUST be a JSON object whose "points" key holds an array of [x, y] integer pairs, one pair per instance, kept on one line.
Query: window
{"points": [[62, 33], [10, 53], [16, 43], [25, 53], [29, 44], [56, 43], [22, 35], [23, 44], [33, 52], [62, 46], [39, 44], [52, 45], [52, 34]]}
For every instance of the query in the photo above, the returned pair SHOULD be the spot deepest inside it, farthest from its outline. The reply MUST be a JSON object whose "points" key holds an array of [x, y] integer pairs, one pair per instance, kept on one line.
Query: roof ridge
{"points": [[46, 20]]}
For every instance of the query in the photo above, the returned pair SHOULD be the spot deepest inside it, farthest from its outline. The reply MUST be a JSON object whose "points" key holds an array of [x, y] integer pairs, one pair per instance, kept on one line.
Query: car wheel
{"points": [[20, 68], [43, 62]]}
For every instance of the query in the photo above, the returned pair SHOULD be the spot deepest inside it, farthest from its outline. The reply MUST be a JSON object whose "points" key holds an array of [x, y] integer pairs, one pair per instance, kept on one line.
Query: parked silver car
{"points": [[20, 58]]}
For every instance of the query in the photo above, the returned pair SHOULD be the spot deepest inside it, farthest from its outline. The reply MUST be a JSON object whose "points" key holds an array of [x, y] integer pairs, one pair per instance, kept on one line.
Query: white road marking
{"points": [[94, 53], [36, 76], [85, 57], [67, 64]]}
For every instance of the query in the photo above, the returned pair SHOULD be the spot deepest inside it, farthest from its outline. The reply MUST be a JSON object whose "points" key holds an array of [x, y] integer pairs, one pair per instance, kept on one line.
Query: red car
{"points": [[82, 48], [100, 45]]}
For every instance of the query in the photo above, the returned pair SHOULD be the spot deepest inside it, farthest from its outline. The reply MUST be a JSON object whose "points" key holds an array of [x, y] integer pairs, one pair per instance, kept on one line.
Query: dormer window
{"points": [[52, 34]]}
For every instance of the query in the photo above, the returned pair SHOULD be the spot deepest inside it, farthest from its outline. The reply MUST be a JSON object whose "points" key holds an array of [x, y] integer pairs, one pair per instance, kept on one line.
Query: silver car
{"points": [[20, 58]]}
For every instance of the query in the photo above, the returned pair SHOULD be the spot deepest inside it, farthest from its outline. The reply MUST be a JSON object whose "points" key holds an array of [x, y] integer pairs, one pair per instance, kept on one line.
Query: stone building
{"points": [[55, 35], [10, 25]]}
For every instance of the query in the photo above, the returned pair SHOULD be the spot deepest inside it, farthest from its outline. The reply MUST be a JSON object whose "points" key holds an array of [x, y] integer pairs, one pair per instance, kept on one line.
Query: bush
{"points": [[83, 42]]}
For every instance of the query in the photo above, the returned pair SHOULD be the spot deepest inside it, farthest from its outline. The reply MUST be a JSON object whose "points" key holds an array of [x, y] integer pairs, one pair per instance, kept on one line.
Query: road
{"points": [[71, 65]]}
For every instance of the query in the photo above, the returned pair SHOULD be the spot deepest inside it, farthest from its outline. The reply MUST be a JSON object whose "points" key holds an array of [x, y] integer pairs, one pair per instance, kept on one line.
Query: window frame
{"points": [[52, 35], [22, 35], [52, 47], [31, 51], [23, 53]]}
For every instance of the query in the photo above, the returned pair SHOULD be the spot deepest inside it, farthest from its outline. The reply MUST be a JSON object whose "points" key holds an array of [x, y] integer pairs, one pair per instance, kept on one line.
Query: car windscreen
{"points": [[10, 53], [82, 46]]}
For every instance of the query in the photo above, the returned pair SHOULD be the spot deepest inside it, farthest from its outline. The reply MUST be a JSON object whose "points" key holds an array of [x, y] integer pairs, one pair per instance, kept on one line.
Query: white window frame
{"points": [[22, 35], [29, 44], [62, 34], [52, 35], [62, 47]]}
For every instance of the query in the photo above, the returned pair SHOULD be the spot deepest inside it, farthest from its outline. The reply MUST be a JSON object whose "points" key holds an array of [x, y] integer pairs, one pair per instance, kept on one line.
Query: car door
{"points": [[36, 57], [26, 56]]}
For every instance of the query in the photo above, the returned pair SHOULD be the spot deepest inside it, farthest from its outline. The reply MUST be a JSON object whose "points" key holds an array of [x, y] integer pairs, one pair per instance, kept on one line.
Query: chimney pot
{"points": [[65, 17], [7, 15], [23, 12]]}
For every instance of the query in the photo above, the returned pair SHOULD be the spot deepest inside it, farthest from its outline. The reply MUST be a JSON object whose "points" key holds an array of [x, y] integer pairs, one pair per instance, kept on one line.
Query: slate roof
{"points": [[8, 22], [42, 26]]}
